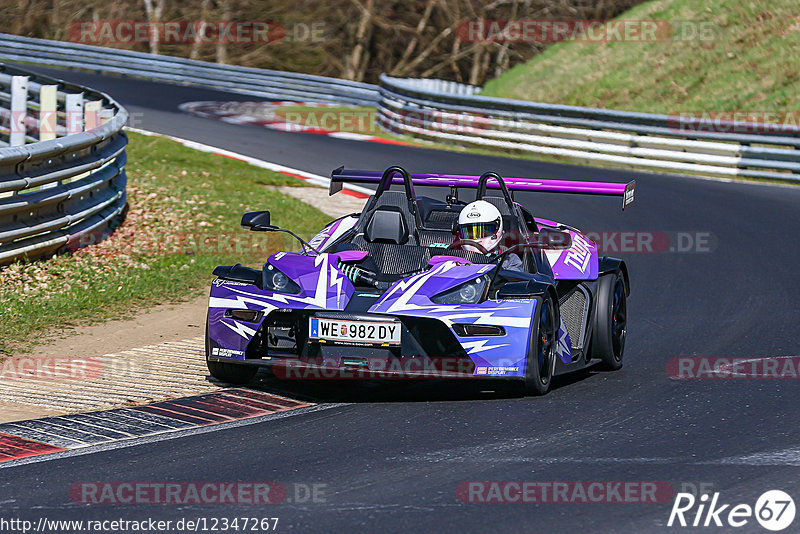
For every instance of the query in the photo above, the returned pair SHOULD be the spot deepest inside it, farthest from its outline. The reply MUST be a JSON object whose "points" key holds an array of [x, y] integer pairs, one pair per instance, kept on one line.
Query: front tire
{"points": [[229, 372], [610, 323], [541, 360]]}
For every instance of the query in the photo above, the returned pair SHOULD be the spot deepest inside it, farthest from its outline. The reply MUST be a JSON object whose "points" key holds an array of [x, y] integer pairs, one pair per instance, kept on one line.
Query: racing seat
{"points": [[388, 232], [389, 221], [386, 225]]}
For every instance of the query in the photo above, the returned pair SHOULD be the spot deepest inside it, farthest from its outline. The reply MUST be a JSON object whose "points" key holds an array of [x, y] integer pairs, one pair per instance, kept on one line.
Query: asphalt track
{"points": [[392, 457]]}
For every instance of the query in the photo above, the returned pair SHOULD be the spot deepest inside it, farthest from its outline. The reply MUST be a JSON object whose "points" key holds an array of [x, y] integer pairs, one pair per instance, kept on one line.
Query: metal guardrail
{"points": [[62, 164], [637, 141], [262, 83]]}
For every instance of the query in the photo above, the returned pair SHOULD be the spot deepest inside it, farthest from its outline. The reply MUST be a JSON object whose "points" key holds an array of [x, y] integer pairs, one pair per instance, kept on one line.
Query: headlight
{"points": [[467, 293], [279, 281], [274, 280]]}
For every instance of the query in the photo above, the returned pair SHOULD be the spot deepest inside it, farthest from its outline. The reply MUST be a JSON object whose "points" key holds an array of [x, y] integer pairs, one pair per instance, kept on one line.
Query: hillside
{"points": [[748, 61]]}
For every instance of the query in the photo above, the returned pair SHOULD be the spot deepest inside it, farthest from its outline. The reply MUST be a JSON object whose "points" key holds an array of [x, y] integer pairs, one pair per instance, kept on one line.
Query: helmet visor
{"points": [[477, 231]]}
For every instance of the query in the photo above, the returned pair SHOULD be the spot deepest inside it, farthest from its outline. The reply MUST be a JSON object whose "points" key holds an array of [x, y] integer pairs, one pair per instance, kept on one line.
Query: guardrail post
{"points": [[19, 108], [91, 114], [47, 118], [74, 109], [106, 115], [47, 112]]}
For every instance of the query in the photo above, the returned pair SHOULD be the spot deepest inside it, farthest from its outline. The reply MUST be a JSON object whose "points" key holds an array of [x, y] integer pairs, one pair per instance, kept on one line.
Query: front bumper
{"points": [[429, 349]]}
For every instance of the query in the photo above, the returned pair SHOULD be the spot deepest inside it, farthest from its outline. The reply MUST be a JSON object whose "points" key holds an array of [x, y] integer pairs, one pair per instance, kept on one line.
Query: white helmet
{"points": [[480, 221]]}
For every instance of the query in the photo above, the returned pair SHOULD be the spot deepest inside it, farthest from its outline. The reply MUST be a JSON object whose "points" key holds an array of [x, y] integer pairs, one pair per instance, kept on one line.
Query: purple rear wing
{"points": [[341, 176]]}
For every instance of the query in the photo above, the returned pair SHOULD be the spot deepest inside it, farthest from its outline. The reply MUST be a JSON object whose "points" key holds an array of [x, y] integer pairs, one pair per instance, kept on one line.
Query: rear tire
{"points": [[610, 322], [540, 363], [231, 373]]}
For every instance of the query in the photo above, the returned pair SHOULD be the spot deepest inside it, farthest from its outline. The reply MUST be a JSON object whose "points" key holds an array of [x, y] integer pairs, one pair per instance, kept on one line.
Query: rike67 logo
{"points": [[774, 510]]}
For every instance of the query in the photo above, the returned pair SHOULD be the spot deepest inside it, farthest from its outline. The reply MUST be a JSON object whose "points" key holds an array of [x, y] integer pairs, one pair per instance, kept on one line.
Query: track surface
{"points": [[392, 458]]}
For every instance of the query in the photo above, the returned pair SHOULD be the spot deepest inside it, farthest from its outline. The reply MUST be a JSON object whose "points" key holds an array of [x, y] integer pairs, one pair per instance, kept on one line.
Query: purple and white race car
{"points": [[389, 292]]}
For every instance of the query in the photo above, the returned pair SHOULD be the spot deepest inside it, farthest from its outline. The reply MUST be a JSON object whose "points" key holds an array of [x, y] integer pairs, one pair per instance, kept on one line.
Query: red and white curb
{"points": [[237, 113], [24, 439], [314, 179]]}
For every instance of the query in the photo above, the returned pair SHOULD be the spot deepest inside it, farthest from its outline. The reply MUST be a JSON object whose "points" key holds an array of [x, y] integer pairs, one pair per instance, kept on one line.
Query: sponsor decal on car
{"points": [[501, 370], [225, 353], [222, 282], [579, 253]]}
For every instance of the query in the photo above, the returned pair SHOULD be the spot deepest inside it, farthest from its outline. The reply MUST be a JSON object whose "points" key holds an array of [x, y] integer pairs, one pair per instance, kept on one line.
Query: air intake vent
{"points": [[574, 314]]}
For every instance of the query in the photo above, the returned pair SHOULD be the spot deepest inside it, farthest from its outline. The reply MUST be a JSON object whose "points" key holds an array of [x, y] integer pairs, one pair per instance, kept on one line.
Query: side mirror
{"points": [[257, 221], [550, 239]]}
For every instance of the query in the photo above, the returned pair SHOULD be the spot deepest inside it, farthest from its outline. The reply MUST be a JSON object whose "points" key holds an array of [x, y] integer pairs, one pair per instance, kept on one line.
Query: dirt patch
{"points": [[11, 411], [165, 322]]}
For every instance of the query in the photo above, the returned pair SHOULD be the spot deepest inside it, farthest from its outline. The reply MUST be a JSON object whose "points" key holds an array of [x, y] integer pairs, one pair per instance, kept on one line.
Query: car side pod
{"points": [[523, 290]]}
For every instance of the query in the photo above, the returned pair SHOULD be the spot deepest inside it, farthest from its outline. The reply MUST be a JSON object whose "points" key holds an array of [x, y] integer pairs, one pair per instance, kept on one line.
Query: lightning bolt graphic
{"points": [[238, 303], [563, 346], [480, 346], [410, 287], [240, 329], [336, 280]]}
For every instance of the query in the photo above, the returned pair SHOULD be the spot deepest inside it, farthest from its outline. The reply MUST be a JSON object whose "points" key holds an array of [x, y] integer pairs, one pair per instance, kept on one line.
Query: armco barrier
{"points": [[261, 83], [62, 164], [639, 141]]}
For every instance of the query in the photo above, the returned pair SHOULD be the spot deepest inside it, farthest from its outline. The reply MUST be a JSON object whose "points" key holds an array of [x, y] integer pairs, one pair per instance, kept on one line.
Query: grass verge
{"points": [[742, 58], [185, 207]]}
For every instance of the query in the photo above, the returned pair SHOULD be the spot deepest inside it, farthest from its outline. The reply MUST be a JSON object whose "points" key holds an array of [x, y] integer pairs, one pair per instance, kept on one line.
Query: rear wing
{"points": [[341, 176]]}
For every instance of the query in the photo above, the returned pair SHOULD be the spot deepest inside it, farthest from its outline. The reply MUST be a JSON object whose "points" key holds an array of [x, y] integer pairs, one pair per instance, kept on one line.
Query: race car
{"points": [[391, 292]]}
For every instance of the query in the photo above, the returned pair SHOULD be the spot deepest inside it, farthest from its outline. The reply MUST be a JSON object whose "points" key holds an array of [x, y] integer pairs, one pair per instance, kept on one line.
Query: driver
{"points": [[481, 222]]}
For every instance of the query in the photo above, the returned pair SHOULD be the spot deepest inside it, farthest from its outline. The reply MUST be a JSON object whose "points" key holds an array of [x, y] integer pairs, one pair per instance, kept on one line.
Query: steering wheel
{"points": [[471, 243]]}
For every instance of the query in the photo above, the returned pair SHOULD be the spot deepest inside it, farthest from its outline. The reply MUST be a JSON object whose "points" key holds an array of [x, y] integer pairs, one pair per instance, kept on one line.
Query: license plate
{"points": [[371, 332]]}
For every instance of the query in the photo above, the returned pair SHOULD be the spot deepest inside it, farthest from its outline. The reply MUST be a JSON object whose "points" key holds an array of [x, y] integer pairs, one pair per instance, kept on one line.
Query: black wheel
{"points": [[229, 372], [541, 360], [610, 321]]}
